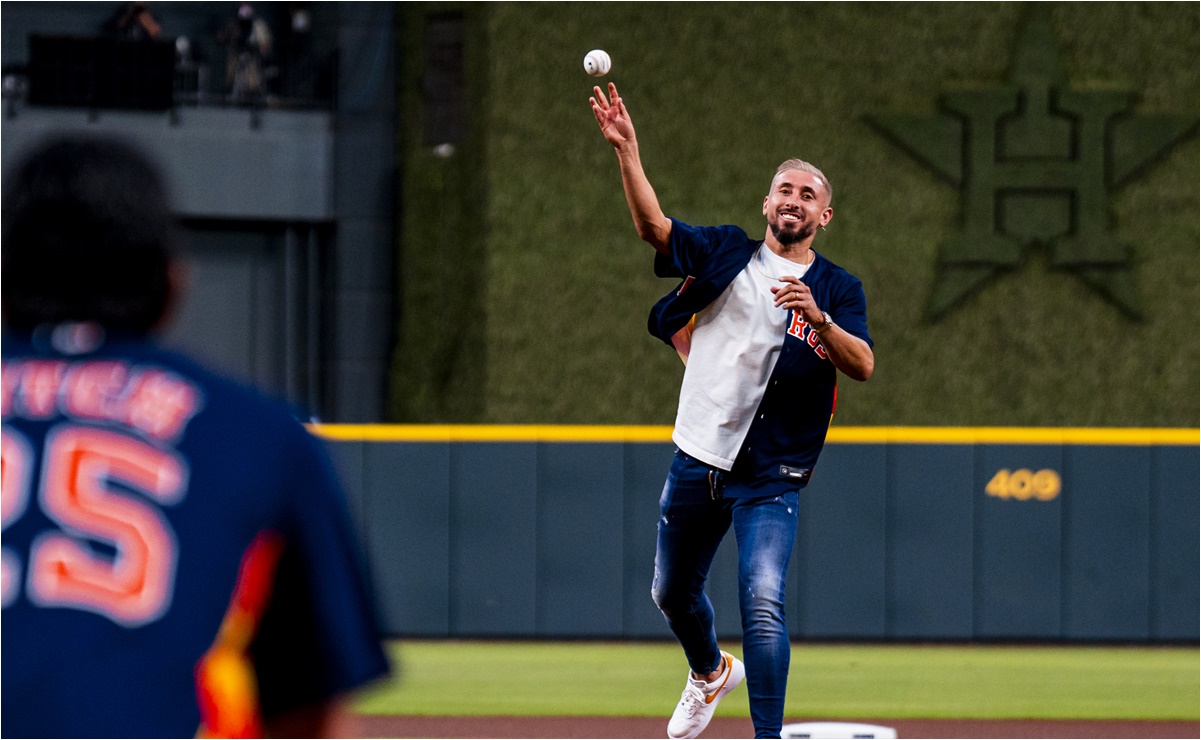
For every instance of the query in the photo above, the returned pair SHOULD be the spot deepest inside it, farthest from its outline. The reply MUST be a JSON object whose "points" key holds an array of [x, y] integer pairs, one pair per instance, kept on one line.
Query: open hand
{"points": [[611, 116]]}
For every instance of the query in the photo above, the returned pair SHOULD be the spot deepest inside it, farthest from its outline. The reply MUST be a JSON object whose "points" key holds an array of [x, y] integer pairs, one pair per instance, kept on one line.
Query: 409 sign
{"points": [[1024, 485]]}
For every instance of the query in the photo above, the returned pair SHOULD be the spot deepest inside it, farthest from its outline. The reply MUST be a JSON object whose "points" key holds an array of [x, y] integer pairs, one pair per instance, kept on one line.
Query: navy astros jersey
{"points": [[790, 424], [177, 555]]}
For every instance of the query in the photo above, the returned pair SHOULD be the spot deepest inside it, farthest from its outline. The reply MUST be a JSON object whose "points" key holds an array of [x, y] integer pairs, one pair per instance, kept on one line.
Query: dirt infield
{"points": [[379, 726]]}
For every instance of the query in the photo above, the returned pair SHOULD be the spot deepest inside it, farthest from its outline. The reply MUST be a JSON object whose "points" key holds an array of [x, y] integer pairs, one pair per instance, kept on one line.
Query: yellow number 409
{"points": [[1023, 485]]}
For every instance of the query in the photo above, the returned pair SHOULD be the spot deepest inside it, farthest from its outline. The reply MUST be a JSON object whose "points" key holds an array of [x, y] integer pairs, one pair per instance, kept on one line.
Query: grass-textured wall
{"points": [[438, 367], [721, 93]]}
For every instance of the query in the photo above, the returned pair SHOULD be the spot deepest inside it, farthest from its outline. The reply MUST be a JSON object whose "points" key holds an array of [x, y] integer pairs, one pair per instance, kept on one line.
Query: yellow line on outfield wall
{"points": [[860, 435], [492, 433], [1017, 435]]}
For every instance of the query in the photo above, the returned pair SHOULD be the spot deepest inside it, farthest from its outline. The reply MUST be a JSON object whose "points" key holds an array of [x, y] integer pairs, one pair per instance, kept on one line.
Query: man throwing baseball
{"points": [[763, 326]]}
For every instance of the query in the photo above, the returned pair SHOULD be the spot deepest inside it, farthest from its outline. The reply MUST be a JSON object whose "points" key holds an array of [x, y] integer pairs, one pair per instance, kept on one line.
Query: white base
{"points": [[836, 731]]}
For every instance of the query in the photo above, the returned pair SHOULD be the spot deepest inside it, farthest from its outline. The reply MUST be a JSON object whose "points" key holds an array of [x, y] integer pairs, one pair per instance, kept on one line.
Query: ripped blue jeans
{"points": [[694, 517]]}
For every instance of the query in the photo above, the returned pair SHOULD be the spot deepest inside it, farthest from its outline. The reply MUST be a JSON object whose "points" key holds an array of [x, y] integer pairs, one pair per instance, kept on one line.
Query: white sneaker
{"points": [[700, 699]]}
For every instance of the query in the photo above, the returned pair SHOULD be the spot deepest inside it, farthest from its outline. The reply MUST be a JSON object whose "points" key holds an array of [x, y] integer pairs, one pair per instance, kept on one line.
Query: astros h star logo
{"points": [[1037, 163]]}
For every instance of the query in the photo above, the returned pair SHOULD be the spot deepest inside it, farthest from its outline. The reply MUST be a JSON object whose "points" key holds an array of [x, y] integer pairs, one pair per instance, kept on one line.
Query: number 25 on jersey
{"points": [[102, 486]]}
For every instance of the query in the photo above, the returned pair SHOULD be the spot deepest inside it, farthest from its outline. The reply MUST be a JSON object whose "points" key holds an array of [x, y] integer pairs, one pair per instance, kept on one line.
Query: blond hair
{"points": [[803, 166]]}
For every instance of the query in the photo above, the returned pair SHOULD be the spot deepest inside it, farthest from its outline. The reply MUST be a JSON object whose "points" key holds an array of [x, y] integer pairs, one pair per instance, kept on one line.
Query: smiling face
{"points": [[797, 205]]}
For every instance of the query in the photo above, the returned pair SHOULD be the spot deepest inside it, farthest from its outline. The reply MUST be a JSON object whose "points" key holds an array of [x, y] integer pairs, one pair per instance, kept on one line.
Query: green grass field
{"points": [[827, 681]]}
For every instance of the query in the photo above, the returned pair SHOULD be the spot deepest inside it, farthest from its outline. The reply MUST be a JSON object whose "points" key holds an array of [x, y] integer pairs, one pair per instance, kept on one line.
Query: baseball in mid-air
{"points": [[597, 63]]}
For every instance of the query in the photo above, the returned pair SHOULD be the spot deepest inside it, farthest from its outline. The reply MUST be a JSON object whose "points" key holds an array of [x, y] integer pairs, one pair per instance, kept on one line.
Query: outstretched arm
{"points": [[653, 227]]}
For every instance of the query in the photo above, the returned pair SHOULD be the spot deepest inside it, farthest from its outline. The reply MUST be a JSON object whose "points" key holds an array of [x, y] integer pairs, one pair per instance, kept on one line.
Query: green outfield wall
{"points": [[905, 533], [1074, 302]]}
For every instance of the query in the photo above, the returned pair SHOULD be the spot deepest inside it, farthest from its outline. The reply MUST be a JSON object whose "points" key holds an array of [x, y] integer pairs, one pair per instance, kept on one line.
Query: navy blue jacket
{"points": [[790, 425], [187, 485]]}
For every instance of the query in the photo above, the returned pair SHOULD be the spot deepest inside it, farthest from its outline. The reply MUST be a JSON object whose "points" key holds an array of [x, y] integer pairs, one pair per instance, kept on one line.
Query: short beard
{"points": [[788, 238]]}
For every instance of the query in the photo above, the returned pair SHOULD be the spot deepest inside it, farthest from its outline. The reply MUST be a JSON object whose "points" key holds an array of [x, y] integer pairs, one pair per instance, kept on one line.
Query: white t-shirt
{"points": [[734, 346]]}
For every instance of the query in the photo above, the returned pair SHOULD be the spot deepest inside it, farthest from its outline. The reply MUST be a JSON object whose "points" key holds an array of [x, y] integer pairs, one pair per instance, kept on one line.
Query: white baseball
{"points": [[597, 63]]}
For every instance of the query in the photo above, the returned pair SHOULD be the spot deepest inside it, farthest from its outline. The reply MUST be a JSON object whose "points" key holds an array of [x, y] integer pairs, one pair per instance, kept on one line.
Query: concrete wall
{"points": [[898, 540]]}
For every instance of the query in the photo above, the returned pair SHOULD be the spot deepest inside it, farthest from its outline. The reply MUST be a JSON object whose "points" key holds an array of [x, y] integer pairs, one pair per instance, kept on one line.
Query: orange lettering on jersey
{"points": [[151, 400], [133, 587], [801, 329], [92, 388], [15, 470], [797, 327], [11, 374], [160, 404], [40, 382]]}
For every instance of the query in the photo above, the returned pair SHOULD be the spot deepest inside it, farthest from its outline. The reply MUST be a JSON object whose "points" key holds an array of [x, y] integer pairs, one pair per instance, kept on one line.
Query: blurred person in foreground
{"points": [[177, 553], [764, 327]]}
